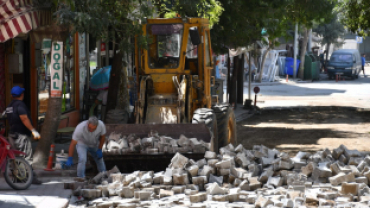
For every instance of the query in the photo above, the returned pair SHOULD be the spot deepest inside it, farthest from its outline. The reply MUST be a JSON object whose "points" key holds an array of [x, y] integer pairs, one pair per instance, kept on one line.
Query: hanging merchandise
{"points": [[100, 80]]}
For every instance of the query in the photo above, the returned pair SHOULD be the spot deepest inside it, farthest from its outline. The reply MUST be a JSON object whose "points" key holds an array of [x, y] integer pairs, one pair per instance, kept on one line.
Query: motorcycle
{"points": [[17, 171]]}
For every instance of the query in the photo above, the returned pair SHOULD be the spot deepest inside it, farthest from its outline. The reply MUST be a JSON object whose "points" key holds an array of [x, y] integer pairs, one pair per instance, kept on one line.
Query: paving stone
{"points": [[216, 179], [200, 197], [178, 189], [190, 192], [210, 155], [337, 152], [220, 198], [265, 175], [275, 181], [179, 161], [180, 179], [350, 188], [165, 193], [215, 189], [237, 172], [362, 180]]}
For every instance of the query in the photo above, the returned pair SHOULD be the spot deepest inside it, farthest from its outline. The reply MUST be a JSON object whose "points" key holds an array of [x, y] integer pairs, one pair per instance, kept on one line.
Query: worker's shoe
{"points": [[78, 179], [36, 181]]}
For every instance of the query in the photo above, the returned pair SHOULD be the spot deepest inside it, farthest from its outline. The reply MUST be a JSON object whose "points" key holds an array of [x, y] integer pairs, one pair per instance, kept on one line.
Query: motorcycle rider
{"points": [[19, 119]]}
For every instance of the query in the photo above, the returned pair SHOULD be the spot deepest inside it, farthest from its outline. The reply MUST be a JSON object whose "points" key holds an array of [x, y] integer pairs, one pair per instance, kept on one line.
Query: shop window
{"points": [[43, 77]]}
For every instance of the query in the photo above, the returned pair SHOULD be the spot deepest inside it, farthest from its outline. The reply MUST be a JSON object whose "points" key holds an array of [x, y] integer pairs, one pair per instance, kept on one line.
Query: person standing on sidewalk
{"points": [[89, 137], [363, 63], [21, 129]]}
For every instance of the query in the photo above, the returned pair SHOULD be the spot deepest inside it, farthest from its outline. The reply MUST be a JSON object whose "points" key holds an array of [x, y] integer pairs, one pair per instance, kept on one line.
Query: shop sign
{"points": [[56, 69]]}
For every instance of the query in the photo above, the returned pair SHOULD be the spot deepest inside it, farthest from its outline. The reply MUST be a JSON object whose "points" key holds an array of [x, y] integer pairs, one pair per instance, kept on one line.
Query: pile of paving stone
{"points": [[237, 177], [117, 144]]}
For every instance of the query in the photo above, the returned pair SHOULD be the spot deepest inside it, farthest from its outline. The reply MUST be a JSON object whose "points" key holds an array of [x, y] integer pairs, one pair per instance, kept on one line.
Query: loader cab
{"points": [[176, 66]]}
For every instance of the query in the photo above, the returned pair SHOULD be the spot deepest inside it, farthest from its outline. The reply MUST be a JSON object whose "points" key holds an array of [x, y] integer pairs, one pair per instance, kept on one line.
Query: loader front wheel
{"points": [[208, 117], [226, 124]]}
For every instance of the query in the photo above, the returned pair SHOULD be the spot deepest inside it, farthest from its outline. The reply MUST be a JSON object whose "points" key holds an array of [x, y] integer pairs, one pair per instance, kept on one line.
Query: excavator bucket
{"points": [[199, 131], [158, 161]]}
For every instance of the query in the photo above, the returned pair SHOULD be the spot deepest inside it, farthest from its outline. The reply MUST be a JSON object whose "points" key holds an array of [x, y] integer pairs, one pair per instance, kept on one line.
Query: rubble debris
{"points": [[236, 177]]}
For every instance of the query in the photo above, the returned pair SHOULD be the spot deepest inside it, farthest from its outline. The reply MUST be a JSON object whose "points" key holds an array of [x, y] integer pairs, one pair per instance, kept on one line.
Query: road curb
{"points": [[56, 173], [315, 108]]}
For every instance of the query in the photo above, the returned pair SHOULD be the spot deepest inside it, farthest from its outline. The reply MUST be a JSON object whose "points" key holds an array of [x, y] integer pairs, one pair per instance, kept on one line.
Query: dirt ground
{"points": [[293, 131]]}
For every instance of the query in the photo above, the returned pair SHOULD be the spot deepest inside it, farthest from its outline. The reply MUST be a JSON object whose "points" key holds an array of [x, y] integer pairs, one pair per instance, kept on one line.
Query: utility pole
{"points": [[295, 51], [309, 48]]}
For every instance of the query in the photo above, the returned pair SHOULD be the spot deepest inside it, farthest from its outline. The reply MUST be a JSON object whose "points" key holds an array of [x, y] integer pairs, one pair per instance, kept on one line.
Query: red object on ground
{"points": [[50, 162]]}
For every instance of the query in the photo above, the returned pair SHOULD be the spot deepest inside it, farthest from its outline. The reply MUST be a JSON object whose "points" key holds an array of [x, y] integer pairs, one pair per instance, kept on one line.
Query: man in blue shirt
{"points": [[363, 63]]}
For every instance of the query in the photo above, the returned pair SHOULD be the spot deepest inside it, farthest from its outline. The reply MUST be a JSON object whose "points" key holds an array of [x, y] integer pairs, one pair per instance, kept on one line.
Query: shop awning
{"points": [[19, 16]]}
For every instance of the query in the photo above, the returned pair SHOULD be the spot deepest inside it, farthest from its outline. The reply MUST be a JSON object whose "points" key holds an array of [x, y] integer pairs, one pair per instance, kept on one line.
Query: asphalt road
{"points": [[354, 93]]}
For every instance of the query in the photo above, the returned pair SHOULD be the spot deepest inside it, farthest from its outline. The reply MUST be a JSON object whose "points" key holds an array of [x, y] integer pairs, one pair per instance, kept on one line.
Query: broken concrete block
{"points": [[220, 198], [126, 192], [143, 195], [343, 159], [265, 175], [254, 170], [223, 172], [183, 141], [275, 181], [179, 161], [265, 161], [254, 183], [215, 179], [201, 163], [158, 177], [224, 164], [244, 185], [355, 160], [362, 180], [215, 189], [350, 188], [237, 172], [178, 189], [286, 164], [200, 197], [210, 155], [165, 193], [352, 153], [190, 192], [338, 179], [308, 169], [91, 193], [242, 160], [239, 148], [237, 182], [206, 171], [180, 179], [193, 170], [212, 162], [198, 180], [337, 152]]}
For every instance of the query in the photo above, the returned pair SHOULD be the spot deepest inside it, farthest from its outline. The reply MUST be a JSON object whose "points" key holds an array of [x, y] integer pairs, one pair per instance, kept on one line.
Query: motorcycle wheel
{"points": [[18, 173]]}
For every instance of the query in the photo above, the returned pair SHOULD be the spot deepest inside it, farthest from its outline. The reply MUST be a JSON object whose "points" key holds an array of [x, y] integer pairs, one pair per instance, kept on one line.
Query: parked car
{"points": [[346, 62]]}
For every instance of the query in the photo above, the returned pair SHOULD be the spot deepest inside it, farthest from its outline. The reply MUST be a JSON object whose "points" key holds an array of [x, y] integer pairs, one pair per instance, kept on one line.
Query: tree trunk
{"points": [[240, 80], [123, 94], [228, 77], [327, 52], [263, 63], [303, 53], [51, 122], [114, 81], [48, 133]]}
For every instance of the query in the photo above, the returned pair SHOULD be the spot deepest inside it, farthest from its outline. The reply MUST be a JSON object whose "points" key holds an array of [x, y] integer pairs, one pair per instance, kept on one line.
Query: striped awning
{"points": [[19, 16]]}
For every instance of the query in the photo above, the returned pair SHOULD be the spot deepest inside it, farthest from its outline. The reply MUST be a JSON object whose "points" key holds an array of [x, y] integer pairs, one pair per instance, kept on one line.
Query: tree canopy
{"points": [[355, 15]]}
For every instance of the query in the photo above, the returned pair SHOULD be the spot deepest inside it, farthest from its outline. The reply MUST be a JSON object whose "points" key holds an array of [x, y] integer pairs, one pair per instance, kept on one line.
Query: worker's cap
{"points": [[17, 91]]}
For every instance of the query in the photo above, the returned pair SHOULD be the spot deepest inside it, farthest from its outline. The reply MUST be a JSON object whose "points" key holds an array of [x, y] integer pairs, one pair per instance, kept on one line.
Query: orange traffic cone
{"points": [[50, 162]]}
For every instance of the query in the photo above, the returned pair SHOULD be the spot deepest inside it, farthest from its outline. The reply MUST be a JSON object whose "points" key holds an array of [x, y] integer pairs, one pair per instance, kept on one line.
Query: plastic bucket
{"points": [[289, 63], [60, 159]]}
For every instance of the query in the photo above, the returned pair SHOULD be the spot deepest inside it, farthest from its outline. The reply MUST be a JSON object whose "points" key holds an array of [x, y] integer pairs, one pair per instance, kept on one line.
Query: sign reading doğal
{"points": [[56, 69]]}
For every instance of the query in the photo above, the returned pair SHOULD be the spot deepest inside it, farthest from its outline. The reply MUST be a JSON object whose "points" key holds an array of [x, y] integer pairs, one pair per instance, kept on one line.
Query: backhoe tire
{"points": [[208, 117], [226, 124]]}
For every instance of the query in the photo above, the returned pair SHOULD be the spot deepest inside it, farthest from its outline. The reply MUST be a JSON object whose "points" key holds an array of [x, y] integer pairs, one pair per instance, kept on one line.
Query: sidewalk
{"points": [[49, 194]]}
